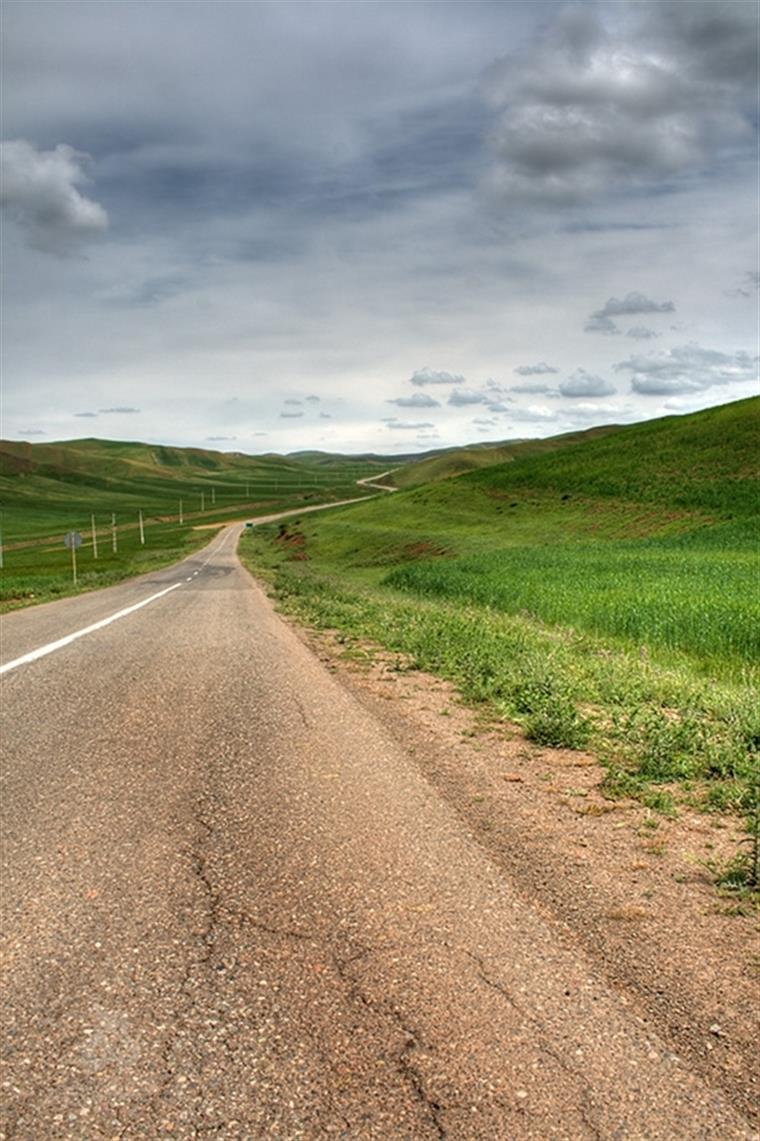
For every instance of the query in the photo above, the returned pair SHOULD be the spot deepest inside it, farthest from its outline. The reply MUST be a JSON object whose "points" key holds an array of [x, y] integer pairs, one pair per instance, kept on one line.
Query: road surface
{"points": [[233, 908]]}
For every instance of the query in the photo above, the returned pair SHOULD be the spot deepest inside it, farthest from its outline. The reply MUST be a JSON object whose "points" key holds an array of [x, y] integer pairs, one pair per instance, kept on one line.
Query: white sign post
{"points": [[94, 538], [73, 540]]}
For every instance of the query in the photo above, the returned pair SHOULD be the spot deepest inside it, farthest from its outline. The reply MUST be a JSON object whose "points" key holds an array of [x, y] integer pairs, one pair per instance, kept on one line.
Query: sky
{"points": [[383, 227]]}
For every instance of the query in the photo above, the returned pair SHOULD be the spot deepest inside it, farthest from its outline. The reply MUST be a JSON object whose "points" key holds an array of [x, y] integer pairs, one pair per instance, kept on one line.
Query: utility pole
{"points": [[94, 538], [114, 540], [213, 496], [142, 530], [181, 516]]}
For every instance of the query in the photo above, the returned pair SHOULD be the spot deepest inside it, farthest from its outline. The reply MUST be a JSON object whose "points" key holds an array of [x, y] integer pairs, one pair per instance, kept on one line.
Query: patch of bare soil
{"points": [[630, 886]]}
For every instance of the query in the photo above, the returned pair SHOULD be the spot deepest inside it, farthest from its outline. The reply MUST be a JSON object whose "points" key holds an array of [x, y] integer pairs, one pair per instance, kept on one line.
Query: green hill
{"points": [[707, 461]]}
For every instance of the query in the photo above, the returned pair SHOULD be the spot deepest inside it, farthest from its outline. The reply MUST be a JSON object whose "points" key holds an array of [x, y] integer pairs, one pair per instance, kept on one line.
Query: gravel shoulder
{"points": [[630, 887]]}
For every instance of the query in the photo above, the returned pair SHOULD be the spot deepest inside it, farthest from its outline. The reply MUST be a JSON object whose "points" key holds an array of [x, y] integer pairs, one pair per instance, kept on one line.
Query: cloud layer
{"points": [[266, 231], [614, 97]]}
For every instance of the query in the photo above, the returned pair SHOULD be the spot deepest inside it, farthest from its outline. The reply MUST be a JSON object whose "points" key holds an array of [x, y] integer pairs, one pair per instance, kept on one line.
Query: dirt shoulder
{"points": [[629, 886]]}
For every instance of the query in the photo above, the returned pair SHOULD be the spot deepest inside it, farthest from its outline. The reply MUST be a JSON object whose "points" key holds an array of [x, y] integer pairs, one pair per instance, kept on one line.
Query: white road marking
{"points": [[51, 647]]}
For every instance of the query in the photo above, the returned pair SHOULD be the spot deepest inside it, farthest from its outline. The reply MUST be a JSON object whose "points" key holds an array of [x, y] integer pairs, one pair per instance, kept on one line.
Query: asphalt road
{"points": [[233, 908]]}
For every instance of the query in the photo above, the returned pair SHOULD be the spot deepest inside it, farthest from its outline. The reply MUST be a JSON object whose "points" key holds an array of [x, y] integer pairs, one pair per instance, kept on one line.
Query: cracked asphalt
{"points": [[233, 907]]}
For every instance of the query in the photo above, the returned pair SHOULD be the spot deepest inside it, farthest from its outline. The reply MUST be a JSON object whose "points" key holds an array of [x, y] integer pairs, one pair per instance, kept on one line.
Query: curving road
{"points": [[233, 908]]}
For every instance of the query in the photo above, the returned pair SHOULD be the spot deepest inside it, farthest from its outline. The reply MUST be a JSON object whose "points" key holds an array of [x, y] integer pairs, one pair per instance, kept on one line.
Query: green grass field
{"points": [[604, 594], [49, 489]]}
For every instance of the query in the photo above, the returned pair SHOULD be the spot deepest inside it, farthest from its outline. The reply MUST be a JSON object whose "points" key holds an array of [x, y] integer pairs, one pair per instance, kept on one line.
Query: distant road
{"points": [[369, 481], [233, 907]]}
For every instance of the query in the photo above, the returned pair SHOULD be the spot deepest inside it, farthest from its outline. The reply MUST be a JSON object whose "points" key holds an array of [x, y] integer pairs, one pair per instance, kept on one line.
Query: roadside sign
{"points": [[72, 540]]}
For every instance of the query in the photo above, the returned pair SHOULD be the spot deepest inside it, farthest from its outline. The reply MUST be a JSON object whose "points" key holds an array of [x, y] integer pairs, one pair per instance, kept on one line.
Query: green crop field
{"points": [[604, 593], [47, 490]]}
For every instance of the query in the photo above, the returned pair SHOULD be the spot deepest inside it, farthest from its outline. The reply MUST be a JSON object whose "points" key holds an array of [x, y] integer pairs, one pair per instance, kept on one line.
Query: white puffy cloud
{"points": [[620, 96], [582, 383], [39, 189], [461, 397], [416, 400], [539, 369], [633, 303], [534, 414], [598, 323], [425, 376], [687, 368], [536, 387], [601, 320], [407, 425]]}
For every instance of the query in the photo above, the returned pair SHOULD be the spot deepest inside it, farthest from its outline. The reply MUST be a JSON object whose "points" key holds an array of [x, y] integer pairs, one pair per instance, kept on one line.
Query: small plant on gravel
{"points": [[557, 722]]}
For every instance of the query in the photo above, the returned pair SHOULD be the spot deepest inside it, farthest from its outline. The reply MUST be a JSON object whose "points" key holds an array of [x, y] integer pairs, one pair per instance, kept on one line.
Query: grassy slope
{"points": [[656, 520]]}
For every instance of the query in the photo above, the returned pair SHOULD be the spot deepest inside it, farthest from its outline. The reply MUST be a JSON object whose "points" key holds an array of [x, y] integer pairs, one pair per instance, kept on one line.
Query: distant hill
{"points": [[449, 462], [46, 487], [117, 459]]}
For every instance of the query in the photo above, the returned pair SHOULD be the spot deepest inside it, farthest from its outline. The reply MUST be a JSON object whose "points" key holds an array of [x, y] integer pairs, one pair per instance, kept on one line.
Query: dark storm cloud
{"points": [[416, 400], [687, 368], [622, 96], [86, 415], [641, 333]]}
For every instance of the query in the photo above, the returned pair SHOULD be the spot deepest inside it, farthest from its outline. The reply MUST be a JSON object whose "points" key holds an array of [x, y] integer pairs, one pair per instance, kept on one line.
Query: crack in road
{"points": [[585, 1109], [412, 1041]]}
